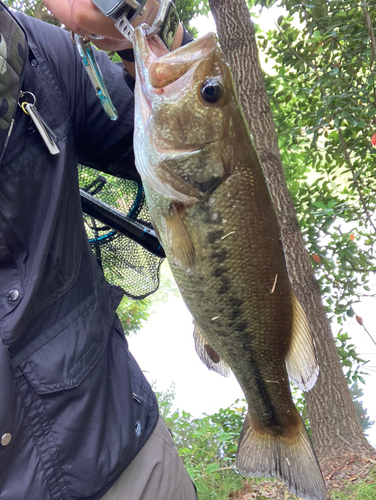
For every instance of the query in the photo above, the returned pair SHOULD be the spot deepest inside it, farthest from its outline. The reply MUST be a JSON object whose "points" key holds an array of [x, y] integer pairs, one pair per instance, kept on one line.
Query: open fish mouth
{"points": [[165, 67]]}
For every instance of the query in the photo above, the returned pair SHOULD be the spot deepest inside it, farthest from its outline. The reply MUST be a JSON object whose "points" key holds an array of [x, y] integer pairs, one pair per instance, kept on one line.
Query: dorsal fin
{"points": [[301, 360], [208, 354]]}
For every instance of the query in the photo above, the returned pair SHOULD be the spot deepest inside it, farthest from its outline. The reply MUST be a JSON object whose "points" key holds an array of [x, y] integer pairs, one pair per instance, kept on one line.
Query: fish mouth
{"points": [[163, 67]]}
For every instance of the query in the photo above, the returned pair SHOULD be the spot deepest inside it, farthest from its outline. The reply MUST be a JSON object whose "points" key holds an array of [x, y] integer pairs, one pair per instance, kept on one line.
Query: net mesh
{"points": [[125, 263]]}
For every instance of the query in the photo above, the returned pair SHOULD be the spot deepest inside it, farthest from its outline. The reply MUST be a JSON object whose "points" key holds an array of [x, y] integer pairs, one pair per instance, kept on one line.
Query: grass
{"points": [[365, 490]]}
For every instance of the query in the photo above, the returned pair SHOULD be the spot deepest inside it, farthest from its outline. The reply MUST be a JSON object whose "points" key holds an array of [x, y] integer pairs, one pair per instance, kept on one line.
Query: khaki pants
{"points": [[156, 473]]}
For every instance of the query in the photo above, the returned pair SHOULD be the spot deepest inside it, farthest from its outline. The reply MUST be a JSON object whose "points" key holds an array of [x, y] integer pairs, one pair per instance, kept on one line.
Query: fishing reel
{"points": [[124, 12]]}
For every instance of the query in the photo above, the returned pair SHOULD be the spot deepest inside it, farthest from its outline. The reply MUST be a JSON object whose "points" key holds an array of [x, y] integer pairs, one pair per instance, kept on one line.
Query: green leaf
{"points": [[212, 468], [225, 436]]}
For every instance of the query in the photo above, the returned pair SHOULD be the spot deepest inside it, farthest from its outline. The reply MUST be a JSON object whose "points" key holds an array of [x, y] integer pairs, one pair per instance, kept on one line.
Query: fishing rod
{"points": [[143, 235]]}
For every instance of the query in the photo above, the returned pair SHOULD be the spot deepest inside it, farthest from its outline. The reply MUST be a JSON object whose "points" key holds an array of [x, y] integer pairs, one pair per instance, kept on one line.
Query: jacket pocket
{"points": [[78, 395], [64, 360]]}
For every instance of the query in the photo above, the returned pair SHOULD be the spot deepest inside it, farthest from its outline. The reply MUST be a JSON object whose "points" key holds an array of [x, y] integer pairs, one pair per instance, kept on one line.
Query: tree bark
{"points": [[335, 427]]}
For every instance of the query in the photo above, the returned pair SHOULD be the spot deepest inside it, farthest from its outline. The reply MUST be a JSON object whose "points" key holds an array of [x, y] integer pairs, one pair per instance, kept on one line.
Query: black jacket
{"points": [[74, 401]]}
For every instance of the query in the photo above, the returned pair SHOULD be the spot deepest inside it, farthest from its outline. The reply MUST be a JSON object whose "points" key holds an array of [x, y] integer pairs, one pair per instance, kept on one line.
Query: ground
{"points": [[346, 478]]}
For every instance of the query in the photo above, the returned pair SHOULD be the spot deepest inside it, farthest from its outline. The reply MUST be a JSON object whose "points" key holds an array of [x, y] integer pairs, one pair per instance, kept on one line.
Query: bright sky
{"points": [[164, 348]]}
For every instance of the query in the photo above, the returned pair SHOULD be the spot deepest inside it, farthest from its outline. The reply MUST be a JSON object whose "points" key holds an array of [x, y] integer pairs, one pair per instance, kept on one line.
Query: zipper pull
{"points": [[48, 136]]}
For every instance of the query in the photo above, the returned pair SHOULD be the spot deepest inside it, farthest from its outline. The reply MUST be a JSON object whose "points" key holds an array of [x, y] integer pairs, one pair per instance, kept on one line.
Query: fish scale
{"points": [[211, 208], [246, 324]]}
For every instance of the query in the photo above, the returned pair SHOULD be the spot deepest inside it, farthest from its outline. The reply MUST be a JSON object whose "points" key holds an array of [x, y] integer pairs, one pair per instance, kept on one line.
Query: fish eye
{"points": [[211, 90]]}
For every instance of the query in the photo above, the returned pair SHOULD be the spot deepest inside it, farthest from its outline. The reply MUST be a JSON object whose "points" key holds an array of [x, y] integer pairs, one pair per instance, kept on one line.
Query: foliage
{"points": [[351, 363], [324, 101], [167, 288], [34, 8], [133, 313], [356, 393], [26, 6], [188, 10], [207, 445]]}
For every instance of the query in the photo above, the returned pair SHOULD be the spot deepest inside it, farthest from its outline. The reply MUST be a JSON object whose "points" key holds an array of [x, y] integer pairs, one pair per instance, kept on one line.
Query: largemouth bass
{"points": [[211, 208]]}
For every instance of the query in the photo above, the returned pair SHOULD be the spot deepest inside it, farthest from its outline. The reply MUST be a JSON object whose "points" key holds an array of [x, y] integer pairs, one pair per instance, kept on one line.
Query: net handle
{"points": [[137, 232]]}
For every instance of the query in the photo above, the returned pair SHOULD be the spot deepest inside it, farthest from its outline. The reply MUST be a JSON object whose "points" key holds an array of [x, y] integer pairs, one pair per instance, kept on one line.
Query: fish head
{"points": [[185, 113]]}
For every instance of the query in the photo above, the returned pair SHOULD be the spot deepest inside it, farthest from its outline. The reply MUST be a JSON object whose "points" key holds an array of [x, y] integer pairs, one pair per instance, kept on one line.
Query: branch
{"points": [[338, 43], [360, 322], [356, 182], [357, 269], [371, 33], [298, 56]]}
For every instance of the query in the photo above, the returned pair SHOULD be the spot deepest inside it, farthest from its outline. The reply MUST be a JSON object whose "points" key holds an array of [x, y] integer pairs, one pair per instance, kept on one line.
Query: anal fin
{"points": [[301, 360], [208, 354]]}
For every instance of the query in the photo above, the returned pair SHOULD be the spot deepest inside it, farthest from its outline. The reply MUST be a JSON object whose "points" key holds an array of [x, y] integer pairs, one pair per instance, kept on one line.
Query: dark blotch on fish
{"points": [[212, 353], [224, 285], [272, 419], [214, 236], [241, 326], [220, 255], [234, 302], [234, 314], [217, 272]]}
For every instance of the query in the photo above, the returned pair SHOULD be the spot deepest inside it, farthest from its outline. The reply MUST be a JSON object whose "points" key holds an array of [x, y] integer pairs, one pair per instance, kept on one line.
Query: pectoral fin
{"points": [[208, 354], [301, 361], [182, 250]]}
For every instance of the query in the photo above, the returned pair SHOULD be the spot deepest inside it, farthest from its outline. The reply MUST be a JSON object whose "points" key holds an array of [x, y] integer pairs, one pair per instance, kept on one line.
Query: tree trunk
{"points": [[335, 427]]}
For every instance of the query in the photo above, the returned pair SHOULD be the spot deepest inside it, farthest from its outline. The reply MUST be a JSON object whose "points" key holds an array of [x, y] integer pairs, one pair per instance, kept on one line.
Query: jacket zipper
{"points": [[7, 139], [141, 400]]}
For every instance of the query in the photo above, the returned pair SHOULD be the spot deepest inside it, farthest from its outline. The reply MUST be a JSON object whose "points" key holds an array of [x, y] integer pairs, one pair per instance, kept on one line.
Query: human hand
{"points": [[83, 18]]}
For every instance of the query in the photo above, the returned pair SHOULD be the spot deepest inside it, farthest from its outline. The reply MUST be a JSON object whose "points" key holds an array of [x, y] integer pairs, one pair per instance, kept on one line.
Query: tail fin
{"points": [[290, 458]]}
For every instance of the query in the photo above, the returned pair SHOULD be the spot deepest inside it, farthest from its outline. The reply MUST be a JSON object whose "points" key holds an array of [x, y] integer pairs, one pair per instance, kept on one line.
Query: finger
{"points": [[110, 44], [87, 18], [60, 9], [82, 17]]}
